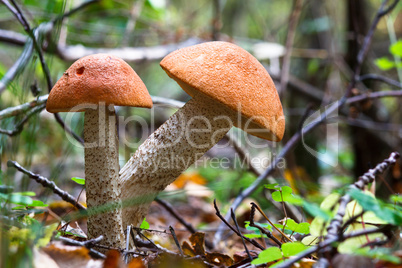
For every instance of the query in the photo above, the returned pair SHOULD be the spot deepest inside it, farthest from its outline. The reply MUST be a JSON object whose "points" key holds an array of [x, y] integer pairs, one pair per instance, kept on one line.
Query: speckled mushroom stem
{"points": [[170, 150], [101, 175]]}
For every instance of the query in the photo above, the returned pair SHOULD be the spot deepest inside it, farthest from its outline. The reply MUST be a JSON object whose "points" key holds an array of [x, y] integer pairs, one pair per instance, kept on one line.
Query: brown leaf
{"points": [[197, 242], [219, 259], [239, 256], [68, 256], [136, 263], [187, 249], [113, 260]]}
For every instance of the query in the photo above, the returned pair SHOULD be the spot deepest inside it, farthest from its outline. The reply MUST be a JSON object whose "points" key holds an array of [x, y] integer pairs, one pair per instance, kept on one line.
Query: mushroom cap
{"points": [[231, 76], [95, 79]]}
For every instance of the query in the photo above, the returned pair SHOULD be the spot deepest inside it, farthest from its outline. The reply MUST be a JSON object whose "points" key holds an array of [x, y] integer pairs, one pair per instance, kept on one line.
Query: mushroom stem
{"points": [[101, 175], [170, 150]]}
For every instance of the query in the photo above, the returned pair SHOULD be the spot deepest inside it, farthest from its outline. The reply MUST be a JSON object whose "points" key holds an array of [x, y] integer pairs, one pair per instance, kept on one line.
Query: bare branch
{"points": [[47, 184], [381, 78], [19, 126]]}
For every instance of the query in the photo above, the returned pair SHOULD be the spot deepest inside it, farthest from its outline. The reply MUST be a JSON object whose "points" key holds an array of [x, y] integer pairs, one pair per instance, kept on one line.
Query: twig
{"points": [[89, 244], [262, 230], [374, 95], [241, 236], [176, 240], [381, 78], [293, 20], [273, 225], [216, 20], [47, 184], [16, 110], [19, 126], [172, 211], [218, 213], [74, 10]]}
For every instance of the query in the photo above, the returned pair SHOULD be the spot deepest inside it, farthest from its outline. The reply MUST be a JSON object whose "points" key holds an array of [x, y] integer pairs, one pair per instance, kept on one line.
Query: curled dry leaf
{"points": [[70, 256]]}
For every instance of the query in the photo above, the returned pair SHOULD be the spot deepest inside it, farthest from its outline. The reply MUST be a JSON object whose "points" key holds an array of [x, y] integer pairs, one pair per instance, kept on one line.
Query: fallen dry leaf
{"points": [[70, 256]]}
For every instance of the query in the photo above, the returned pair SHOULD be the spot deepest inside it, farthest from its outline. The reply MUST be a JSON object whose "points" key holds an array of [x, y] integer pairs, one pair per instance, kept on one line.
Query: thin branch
{"points": [[172, 211], [16, 110], [74, 10], [241, 236], [176, 240], [47, 184], [293, 20], [89, 244], [381, 78], [374, 95], [218, 213], [262, 230], [273, 225], [19, 126]]}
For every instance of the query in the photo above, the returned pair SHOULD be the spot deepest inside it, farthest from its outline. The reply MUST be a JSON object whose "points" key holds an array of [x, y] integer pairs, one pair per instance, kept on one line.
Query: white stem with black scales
{"points": [[170, 150], [101, 176]]}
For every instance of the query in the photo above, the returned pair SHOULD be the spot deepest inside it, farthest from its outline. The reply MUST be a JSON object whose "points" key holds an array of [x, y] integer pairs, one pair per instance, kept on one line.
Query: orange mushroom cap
{"points": [[98, 78], [231, 76]]}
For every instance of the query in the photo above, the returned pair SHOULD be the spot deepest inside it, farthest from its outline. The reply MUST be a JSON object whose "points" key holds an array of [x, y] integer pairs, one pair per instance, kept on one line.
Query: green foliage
{"points": [[268, 255], [274, 253], [144, 224], [284, 194], [392, 214], [256, 232], [78, 180], [385, 64], [293, 227]]}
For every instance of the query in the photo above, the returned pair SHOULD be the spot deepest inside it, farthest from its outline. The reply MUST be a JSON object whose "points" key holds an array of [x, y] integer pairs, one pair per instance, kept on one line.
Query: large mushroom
{"points": [[228, 87], [94, 84]]}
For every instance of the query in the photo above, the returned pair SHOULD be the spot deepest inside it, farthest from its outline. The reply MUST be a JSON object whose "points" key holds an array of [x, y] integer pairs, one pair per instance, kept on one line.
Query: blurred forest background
{"points": [[309, 47]]}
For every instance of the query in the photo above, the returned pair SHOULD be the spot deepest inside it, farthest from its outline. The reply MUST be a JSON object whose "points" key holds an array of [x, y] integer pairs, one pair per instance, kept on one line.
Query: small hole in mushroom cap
{"points": [[80, 71]]}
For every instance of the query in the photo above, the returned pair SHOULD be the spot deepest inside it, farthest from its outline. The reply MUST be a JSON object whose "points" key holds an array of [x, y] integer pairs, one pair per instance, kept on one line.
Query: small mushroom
{"points": [[94, 84], [228, 87]]}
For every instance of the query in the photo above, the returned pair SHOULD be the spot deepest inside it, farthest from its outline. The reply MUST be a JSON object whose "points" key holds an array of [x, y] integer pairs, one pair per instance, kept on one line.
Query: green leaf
{"points": [[272, 186], [303, 228], [384, 64], [291, 225], [17, 199], [38, 203], [370, 203], [396, 198], [396, 48], [285, 195], [144, 224], [25, 193], [291, 249], [268, 255], [78, 180], [310, 240]]}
